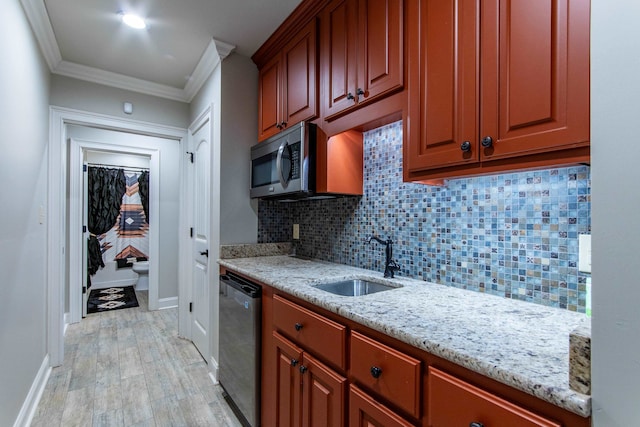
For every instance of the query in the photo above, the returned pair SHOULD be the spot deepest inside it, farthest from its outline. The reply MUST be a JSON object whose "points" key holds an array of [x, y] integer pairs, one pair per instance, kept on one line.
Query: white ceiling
{"points": [[171, 58]]}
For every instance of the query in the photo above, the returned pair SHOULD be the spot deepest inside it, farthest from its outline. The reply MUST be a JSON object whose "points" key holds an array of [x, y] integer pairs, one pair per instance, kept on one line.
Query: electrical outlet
{"points": [[584, 253], [296, 231]]}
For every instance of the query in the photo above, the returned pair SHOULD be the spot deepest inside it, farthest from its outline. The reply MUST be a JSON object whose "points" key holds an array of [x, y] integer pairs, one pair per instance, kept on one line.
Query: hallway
{"points": [[129, 368]]}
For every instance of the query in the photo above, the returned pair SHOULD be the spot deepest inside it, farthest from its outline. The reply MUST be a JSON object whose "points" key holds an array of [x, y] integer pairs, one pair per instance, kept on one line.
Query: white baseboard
{"points": [[30, 404], [67, 320], [213, 370], [113, 284], [164, 303]]}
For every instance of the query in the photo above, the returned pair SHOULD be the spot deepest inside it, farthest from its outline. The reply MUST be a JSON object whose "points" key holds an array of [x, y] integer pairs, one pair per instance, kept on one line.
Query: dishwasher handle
{"points": [[248, 288]]}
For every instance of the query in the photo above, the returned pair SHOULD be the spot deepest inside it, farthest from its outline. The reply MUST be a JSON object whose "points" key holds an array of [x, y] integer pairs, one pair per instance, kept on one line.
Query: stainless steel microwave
{"points": [[284, 166]]}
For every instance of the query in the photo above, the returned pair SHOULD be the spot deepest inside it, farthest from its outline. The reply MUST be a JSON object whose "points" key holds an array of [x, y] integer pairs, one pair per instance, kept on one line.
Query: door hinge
{"points": [[190, 307], [84, 228], [191, 154], [191, 232], [84, 168], [84, 289]]}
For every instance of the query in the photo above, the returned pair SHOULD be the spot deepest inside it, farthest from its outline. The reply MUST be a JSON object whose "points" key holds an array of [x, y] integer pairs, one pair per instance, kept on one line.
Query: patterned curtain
{"points": [[106, 188]]}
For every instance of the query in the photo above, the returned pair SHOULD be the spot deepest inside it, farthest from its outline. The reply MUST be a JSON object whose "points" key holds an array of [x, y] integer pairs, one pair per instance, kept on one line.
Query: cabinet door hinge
{"points": [[191, 232], [84, 289], [190, 307], [84, 228], [84, 168]]}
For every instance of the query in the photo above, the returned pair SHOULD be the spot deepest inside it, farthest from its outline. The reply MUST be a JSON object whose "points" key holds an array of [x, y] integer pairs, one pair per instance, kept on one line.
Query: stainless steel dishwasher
{"points": [[240, 328]]}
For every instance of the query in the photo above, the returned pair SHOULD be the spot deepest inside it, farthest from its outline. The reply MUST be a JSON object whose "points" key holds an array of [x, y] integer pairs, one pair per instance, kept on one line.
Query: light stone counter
{"points": [[520, 344]]}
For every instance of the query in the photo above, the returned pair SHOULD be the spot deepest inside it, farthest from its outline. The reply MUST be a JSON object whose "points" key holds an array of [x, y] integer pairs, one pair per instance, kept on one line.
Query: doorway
{"points": [[60, 247]]}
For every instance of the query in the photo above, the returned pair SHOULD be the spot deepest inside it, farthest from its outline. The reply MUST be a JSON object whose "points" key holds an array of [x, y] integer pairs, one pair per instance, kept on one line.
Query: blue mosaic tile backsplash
{"points": [[514, 234]]}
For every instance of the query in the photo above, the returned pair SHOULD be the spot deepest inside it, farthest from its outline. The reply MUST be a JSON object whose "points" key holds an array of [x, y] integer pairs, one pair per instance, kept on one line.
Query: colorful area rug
{"points": [[111, 299]]}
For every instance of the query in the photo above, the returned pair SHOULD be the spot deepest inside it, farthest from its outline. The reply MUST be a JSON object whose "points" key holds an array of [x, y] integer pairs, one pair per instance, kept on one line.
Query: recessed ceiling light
{"points": [[134, 21]]}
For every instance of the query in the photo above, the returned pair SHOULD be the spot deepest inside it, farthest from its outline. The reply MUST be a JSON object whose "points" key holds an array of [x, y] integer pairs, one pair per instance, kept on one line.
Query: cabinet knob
{"points": [[487, 142], [294, 362], [350, 96], [465, 146], [474, 424], [376, 372], [283, 125], [298, 326], [359, 92], [303, 369]]}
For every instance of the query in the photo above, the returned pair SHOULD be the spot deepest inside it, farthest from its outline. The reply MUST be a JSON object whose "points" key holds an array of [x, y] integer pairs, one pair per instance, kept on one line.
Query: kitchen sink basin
{"points": [[354, 287]]}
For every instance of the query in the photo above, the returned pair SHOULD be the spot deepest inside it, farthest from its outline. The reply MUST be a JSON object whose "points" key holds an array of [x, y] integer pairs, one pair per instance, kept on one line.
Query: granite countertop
{"points": [[523, 345]]}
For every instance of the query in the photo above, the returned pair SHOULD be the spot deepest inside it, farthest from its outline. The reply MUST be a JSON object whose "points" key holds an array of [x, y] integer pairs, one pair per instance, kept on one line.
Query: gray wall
{"points": [[86, 96], [170, 153], [24, 130], [239, 131], [615, 150]]}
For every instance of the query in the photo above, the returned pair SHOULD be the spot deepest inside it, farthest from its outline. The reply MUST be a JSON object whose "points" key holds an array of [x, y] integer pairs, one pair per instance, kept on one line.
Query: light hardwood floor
{"points": [[129, 368]]}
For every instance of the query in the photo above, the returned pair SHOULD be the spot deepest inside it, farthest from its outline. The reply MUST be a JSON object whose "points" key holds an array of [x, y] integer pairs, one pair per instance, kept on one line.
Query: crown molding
{"points": [[36, 13], [224, 49], [215, 52], [108, 78]]}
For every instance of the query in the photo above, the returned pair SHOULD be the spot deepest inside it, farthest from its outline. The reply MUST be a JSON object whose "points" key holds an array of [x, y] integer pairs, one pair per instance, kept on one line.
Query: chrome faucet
{"points": [[390, 266]]}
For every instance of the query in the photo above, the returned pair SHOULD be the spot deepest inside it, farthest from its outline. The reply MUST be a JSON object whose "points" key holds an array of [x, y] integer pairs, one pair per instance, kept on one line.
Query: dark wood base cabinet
{"points": [[320, 369]]}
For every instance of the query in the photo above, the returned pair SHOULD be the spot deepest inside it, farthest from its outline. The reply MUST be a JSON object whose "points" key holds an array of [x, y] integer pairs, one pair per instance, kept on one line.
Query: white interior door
{"points": [[201, 230]]}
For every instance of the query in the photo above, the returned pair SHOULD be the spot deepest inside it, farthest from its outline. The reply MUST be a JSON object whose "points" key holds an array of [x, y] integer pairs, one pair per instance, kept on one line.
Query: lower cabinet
{"points": [[308, 393], [323, 370], [364, 411]]}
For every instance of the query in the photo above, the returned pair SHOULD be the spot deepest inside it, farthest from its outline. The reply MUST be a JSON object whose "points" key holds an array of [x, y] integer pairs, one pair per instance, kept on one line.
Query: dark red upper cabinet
{"points": [[361, 53], [287, 85], [535, 85], [496, 85]]}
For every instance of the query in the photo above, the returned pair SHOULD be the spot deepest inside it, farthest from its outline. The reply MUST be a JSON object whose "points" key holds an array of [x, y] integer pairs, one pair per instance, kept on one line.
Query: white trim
{"points": [[56, 196], [211, 58], [36, 13], [30, 404], [213, 370], [108, 78], [76, 255], [224, 49], [67, 316], [113, 283], [164, 303]]}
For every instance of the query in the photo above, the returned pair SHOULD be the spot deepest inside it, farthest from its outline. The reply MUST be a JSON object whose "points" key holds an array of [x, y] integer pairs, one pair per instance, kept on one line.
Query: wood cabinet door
{"points": [[269, 99], [366, 412], [444, 81], [323, 395], [381, 48], [535, 84], [299, 79], [339, 55], [288, 382]]}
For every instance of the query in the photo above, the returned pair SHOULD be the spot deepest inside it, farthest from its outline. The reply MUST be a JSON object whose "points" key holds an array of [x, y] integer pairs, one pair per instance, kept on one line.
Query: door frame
{"points": [[186, 256], [59, 118], [76, 274]]}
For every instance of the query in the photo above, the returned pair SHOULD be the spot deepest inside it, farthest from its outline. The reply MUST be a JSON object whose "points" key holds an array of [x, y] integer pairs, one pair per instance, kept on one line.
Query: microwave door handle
{"points": [[279, 163]]}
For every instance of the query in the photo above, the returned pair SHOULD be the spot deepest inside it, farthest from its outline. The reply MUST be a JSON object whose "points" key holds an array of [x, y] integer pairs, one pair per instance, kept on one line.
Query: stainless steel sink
{"points": [[354, 287]]}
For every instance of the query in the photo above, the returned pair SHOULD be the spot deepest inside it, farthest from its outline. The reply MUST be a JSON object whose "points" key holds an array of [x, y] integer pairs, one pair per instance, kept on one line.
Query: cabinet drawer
{"points": [[323, 337], [453, 402], [387, 372]]}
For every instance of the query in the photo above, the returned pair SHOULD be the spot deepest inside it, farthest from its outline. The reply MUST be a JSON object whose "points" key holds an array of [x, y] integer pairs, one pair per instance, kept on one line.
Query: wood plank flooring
{"points": [[129, 368]]}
